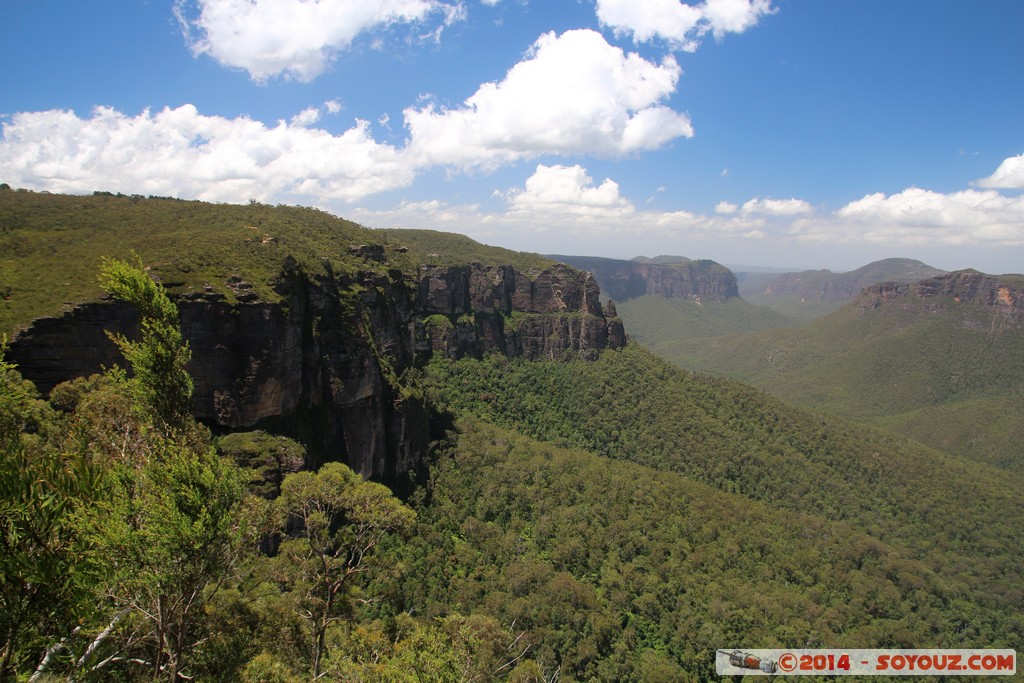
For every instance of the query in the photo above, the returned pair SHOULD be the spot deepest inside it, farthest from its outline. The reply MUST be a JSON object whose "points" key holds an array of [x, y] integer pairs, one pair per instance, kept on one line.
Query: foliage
{"points": [[176, 526], [159, 358], [267, 458], [45, 569], [341, 520], [614, 571], [629, 405], [678, 329]]}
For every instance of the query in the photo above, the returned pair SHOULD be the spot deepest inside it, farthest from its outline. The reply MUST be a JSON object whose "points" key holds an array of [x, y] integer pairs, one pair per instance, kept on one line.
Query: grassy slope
{"points": [[51, 246], [923, 511], [449, 249], [952, 381]]}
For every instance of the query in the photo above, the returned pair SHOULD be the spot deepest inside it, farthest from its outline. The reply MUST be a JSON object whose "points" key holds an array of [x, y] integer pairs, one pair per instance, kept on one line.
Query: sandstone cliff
{"points": [[669, 277], [327, 360], [541, 314], [1001, 296], [824, 285]]}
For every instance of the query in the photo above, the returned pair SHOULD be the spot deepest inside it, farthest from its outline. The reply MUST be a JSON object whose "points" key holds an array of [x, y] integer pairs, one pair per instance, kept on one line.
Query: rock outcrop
{"points": [[669, 277], [326, 362], [824, 285], [472, 310], [1000, 295]]}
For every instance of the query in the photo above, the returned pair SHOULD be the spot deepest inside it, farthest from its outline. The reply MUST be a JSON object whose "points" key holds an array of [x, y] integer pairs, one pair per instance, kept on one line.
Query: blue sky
{"points": [[794, 133]]}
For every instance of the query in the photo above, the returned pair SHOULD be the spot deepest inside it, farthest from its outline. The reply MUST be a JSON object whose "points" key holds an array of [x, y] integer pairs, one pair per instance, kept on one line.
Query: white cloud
{"points": [[183, 153], [568, 189], [306, 117], [726, 208], [573, 94], [917, 216], [1009, 175], [776, 207], [681, 25], [296, 38]]}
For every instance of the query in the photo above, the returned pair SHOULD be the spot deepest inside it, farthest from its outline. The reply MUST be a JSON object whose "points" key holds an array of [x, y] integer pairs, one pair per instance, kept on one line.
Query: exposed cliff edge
{"points": [[999, 295], [541, 314], [326, 362], [299, 322], [672, 277]]}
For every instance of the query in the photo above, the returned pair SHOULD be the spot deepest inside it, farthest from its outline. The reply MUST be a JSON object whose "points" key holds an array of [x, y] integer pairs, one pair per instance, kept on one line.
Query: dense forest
{"points": [[943, 370], [615, 520], [608, 519]]}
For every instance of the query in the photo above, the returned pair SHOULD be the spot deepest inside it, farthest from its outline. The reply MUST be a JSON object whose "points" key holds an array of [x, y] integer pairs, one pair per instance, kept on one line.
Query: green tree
{"points": [[159, 358], [45, 570], [341, 520], [176, 526]]}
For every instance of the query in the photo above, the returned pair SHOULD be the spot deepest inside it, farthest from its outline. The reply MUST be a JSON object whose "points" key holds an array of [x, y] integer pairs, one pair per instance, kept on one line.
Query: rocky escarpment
{"points": [[824, 285], [471, 310], [327, 361], [669, 277], [1000, 296]]}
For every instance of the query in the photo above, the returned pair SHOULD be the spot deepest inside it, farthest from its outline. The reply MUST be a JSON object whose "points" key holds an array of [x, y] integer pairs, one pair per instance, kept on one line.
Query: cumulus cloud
{"points": [[726, 208], [573, 94], [294, 38], [917, 216], [1009, 175], [568, 189], [183, 153], [681, 25], [776, 207]]}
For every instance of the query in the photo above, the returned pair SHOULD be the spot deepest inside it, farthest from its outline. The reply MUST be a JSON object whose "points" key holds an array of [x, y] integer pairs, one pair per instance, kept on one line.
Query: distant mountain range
{"points": [[811, 293], [938, 360]]}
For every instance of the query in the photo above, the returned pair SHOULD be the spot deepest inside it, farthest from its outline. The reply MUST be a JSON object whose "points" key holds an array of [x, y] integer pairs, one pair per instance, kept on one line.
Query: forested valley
{"points": [[614, 520]]}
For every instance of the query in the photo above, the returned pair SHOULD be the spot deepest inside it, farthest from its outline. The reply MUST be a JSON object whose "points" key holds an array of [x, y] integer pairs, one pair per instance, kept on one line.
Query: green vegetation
{"points": [[938, 371], [614, 520], [52, 245], [615, 571], [128, 545], [431, 247], [631, 406], [678, 329]]}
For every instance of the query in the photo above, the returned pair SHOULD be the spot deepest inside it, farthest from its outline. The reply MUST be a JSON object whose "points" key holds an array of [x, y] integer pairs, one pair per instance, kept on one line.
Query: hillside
{"points": [[298, 321], [710, 511], [813, 293], [670, 304], [572, 508], [679, 329], [938, 360]]}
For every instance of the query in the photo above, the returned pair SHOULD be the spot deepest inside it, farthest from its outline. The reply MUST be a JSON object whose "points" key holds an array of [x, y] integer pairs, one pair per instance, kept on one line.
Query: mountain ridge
{"points": [[299, 322]]}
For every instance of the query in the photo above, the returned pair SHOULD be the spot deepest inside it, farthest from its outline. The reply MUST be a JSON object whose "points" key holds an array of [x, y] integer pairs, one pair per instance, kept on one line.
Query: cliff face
{"points": [[543, 314], [324, 363], [1001, 296], [681, 278], [824, 285]]}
